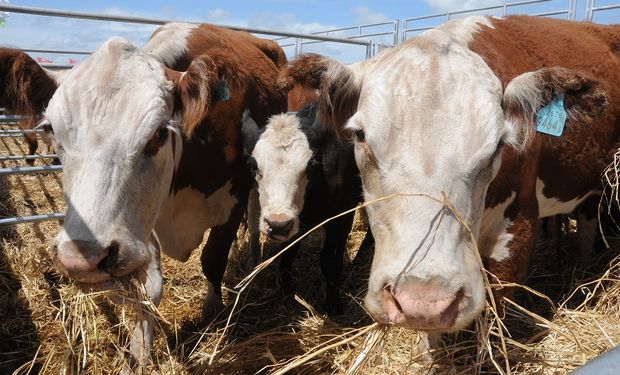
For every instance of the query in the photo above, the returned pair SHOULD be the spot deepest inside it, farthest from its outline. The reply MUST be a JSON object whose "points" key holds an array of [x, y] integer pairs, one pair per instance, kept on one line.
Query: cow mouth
{"points": [[443, 322], [277, 237]]}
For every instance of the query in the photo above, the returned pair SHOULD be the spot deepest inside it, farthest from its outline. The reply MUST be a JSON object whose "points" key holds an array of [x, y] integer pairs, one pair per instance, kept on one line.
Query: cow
{"points": [[36, 86], [448, 127], [150, 143], [304, 176]]}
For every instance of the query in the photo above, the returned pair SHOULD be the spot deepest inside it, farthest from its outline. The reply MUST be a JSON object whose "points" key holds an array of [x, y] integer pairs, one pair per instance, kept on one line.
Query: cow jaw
{"points": [[435, 134], [110, 117]]}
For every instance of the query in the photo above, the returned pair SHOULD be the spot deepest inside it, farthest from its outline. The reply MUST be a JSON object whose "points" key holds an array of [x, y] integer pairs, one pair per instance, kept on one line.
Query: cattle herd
{"points": [[459, 141]]}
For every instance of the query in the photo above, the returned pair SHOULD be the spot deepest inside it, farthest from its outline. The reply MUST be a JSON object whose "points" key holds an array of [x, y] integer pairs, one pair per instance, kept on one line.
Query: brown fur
{"points": [[569, 165], [307, 70], [25, 89], [300, 96], [339, 91]]}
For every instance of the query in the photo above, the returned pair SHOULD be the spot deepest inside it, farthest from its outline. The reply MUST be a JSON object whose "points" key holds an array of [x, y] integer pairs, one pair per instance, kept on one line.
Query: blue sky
{"points": [[304, 16]]}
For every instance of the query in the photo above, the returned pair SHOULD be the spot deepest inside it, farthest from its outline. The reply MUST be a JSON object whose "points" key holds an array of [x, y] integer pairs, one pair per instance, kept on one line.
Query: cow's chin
{"points": [[277, 237]]}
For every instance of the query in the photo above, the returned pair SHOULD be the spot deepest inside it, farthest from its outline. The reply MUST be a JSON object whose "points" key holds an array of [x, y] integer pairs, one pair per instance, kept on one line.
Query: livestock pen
{"points": [[50, 325]]}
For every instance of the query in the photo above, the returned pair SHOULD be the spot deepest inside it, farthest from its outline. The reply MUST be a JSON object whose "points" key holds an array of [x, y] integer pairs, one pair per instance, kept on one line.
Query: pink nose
{"points": [[424, 304], [279, 226], [83, 261]]}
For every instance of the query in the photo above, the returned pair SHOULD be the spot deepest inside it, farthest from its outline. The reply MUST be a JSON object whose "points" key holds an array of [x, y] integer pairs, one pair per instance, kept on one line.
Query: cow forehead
{"points": [[433, 94], [283, 142], [118, 90]]}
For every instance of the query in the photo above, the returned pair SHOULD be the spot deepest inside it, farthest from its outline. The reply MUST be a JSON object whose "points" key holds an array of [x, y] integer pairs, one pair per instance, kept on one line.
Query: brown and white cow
{"points": [[439, 115], [150, 143]]}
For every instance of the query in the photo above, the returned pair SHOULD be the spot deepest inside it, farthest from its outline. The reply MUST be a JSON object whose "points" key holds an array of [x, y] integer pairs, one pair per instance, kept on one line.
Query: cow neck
{"points": [[519, 44]]}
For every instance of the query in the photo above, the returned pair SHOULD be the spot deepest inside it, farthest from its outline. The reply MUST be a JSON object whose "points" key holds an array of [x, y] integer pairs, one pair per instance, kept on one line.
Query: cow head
{"points": [[117, 120], [281, 156], [429, 120]]}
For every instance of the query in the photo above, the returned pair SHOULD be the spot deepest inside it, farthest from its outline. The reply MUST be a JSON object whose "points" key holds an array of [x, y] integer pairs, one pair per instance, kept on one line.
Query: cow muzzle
{"points": [[279, 226], [86, 261], [422, 304]]}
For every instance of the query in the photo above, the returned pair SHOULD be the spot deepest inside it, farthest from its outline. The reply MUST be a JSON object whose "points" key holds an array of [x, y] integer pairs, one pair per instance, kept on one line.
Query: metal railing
{"points": [[161, 21], [31, 218], [359, 30], [504, 9], [30, 170], [25, 170], [591, 9]]}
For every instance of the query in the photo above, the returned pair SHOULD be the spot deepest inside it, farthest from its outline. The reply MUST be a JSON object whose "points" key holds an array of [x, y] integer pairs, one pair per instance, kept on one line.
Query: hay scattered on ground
{"points": [[51, 326]]}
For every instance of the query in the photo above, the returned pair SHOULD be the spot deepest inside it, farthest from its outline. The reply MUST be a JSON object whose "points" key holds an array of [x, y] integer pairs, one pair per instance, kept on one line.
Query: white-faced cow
{"points": [[151, 147], [439, 115], [304, 175]]}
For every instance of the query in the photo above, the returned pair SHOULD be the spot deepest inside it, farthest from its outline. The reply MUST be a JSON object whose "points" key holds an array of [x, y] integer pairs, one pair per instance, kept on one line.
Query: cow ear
{"points": [[250, 132], [25, 87], [307, 70], [527, 96], [202, 85], [340, 92]]}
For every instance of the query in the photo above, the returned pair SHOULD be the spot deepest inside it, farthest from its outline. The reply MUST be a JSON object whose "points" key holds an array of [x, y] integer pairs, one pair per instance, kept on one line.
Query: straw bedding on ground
{"points": [[49, 325]]}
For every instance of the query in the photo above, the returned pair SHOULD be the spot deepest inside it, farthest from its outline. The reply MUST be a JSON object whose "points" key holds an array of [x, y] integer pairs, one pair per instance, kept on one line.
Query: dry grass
{"points": [[49, 325]]}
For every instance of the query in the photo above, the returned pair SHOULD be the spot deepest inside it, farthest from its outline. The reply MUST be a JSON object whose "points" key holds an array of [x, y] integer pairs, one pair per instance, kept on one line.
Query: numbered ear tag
{"points": [[551, 118], [221, 90]]}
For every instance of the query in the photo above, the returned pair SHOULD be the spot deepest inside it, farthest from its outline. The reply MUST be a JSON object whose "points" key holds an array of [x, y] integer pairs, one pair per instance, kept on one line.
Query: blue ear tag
{"points": [[221, 90], [551, 118]]}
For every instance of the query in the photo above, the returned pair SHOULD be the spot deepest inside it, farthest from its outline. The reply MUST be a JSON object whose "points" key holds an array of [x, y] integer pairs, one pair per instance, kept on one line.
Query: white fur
{"points": [[187, 215], [549, 206], [463, 30], [170, 42], [282, 154], [494, 236]]}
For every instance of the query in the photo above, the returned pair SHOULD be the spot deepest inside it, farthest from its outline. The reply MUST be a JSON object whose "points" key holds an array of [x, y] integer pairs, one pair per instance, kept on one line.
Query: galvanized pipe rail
{"points": [[299, 43], [570, 12], [30, 170], [31, 218], [161, 21], [591, 8], [19, 132], [27, 157], [11, 118]]}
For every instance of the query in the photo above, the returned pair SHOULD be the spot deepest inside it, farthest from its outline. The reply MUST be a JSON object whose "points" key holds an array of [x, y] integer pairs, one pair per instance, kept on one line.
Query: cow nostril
{"points": [[111, 259], [282, 228]]}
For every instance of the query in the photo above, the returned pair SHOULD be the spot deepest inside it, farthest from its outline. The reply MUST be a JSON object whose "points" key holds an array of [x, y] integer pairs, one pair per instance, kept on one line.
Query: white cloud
{"points": [[217, 14], [452, 5], [364, 15], [285, 21]]}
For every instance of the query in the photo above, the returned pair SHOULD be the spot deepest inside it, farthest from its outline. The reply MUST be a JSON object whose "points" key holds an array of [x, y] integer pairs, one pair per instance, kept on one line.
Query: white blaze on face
{"points": [[433, 123], [106, 116], [282, 154]]}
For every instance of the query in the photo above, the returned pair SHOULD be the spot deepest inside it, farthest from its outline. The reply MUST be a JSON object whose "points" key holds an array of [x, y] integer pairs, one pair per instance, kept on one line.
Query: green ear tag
{"points": [[551, 118], [221, 90]]}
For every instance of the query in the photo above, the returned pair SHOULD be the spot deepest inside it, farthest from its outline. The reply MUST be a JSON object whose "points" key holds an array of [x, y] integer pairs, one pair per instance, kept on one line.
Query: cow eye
{"points": [[159, 139], [359, 134], [162, 133]]}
